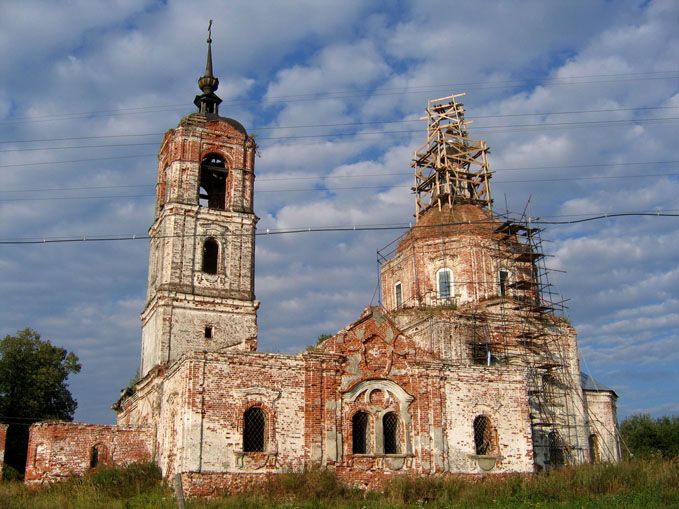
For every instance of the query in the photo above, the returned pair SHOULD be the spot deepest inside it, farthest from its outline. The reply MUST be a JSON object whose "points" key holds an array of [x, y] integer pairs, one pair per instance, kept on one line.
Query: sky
{"points": [[578, 101]]}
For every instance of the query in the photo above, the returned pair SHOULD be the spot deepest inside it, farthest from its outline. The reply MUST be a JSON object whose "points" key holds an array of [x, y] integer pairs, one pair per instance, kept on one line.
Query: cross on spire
{"points": [[208, 101]]}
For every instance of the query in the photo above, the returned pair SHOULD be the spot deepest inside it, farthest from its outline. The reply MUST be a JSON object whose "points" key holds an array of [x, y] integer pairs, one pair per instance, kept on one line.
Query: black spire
{"points": [[208, 102]]}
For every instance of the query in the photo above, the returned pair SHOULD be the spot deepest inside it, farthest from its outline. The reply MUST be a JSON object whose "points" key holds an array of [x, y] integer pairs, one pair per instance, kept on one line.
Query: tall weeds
{"points": [[639, 483]]}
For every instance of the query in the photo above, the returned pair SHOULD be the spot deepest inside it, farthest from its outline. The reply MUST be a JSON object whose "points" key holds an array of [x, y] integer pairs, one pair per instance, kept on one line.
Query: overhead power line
{"points": [[390, 174], [322, 229], [350, 188], [346, 94], [348, 124], [590, 123], [505, 128]]}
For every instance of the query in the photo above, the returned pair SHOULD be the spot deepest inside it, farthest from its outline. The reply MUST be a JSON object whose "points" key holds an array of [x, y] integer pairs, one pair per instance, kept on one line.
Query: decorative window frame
{"points": [[264, 399], [398, 401], [486, 462]]}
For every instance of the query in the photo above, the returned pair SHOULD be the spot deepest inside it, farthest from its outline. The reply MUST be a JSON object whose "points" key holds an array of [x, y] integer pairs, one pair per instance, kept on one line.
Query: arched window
{"points": [[556, 455], [503, 282], [444, 283], [98, 455], [485, 442], [398, 294], [212, 186], [254, 424], [390, 433], [594, 453], [359, 433], [210, 256]]}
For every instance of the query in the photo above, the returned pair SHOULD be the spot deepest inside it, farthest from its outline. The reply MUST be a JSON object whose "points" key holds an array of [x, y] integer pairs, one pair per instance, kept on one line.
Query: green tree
{"points": [[33, 387], [647, 437], [33, 375]]}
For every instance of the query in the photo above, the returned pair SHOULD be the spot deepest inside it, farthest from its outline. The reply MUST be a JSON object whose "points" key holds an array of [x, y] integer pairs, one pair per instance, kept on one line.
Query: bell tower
{"points": [[201, 266]]}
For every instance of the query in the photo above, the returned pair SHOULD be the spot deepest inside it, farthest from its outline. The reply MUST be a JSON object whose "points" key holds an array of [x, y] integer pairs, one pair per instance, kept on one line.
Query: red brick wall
{"points": [[3, 440], [61, 449]]}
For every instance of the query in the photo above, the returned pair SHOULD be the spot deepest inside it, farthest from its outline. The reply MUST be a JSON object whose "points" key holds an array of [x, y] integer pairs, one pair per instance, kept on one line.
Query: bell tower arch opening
{"points": [[212, 188]]}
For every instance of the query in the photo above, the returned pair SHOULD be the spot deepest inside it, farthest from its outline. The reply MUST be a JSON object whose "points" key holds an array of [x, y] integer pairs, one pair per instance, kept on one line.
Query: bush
{"points": [[125, 482], [9, 473], [645, 437]]}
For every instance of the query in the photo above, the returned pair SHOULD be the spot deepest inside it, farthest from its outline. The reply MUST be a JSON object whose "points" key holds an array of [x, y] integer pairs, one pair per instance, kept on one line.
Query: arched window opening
{"points": [[98, 455], [359, 433], [556, 453], [503, 282], [210, 256], [444, 284], [594, 453], [484, 436], [390, 432], [398, 293], [254, 424], [212, 187]]}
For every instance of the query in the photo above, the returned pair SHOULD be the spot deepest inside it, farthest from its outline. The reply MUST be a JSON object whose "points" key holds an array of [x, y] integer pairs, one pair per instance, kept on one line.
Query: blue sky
{"points": [[578, 101]]}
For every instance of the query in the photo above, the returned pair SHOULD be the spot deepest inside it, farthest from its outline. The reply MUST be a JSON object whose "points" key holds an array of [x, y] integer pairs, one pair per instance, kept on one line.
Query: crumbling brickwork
{"points": [[604, 438], [58, 450], [3, 441]]}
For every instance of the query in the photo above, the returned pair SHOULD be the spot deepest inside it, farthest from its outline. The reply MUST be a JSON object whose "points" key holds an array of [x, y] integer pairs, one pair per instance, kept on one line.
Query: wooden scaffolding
{"points": [[450, 167]]}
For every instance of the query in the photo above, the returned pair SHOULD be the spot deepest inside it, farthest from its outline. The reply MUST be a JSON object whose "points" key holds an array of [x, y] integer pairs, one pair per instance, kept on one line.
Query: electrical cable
{"points": [[559, 81], [348, 124], [592, 123], [323, 229], [347, 188]]}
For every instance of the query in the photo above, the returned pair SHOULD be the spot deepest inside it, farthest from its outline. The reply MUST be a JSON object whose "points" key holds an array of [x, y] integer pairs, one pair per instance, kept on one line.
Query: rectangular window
{"points": [[208, 331], [503, 279], [399, 295]]}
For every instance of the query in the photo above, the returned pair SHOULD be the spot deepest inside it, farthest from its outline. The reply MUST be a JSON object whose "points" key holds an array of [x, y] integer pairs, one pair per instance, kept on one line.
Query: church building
{"points": [[466, 367]]}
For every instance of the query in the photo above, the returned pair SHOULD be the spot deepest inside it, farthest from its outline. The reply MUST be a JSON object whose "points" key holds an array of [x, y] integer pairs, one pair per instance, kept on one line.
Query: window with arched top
{"points": [[98, 455], [359, 433], [444, 283], [594, 451], [556, 450], [210, 256], [391, 433], [254, 427], [398, 295], [213, 180], [485, 439]]}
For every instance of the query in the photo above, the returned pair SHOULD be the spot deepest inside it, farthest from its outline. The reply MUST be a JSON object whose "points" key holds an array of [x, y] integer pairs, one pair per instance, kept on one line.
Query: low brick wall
{"points": [[59, 450], [212, 484]]}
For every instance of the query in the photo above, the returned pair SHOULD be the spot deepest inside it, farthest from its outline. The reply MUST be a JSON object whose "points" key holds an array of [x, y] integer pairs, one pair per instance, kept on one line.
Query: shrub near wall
{"points": [[644, 437]]}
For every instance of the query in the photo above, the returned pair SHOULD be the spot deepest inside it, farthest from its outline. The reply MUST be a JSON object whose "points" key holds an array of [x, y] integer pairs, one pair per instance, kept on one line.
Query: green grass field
{"points": [[640, 483]]}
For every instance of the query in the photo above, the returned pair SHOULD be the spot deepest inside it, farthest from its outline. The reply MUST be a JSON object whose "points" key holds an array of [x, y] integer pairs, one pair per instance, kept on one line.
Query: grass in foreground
{"points": [[647, 483]]}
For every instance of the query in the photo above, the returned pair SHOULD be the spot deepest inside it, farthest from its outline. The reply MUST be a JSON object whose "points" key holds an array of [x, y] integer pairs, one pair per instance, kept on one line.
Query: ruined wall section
{"points": [[3, 443], [501, 395], [603, 423], [59, 450], [220, 389]]}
